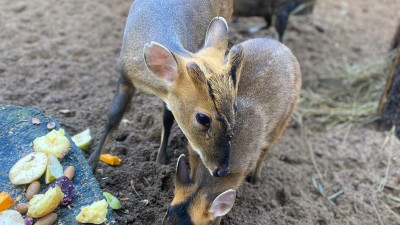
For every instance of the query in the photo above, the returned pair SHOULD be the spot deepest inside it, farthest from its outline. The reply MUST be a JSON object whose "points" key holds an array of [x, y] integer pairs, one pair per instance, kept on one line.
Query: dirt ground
{"points": [[57, 55]]}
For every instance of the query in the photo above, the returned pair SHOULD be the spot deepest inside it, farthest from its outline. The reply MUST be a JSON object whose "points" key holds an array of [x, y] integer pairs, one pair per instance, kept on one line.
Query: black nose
{"points": [[221, 172]]}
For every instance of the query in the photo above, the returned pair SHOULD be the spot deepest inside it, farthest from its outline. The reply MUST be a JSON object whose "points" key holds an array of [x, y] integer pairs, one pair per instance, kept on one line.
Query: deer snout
{"points": [[221, 171], [222, 168]]}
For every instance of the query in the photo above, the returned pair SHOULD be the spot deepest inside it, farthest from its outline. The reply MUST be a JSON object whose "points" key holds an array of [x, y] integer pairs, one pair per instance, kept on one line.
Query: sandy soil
{"points": [[57, 55]]}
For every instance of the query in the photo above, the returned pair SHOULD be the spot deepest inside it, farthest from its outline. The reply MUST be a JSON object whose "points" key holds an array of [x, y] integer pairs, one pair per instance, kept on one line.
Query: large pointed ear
{"points": [[182, 174], [223, 203], [161, 62], [217, 34], [235, 61]]}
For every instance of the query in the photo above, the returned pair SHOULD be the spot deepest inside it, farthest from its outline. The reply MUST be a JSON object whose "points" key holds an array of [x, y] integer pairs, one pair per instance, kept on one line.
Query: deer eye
{"points": [[203, 119]]}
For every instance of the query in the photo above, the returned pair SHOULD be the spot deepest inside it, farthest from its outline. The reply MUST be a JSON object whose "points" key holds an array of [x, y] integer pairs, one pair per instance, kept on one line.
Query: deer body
{"points": [[157, 29], [178, 25], [267, 93], [268, 90], [279, 10]]}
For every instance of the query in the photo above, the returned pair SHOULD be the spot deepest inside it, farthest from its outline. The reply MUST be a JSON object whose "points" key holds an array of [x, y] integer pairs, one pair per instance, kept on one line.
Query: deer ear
{"points": [[223, 203], [182, 175], [217, 34], [160, 61]]}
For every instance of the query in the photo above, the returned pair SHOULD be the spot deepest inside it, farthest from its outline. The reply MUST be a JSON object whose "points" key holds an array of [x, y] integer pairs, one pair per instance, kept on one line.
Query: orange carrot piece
{"points": [[110, 159], [6, 201]]}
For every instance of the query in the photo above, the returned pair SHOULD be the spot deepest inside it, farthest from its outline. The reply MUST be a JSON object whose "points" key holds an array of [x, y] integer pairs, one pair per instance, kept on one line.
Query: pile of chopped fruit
{"points": [[48, 151]]}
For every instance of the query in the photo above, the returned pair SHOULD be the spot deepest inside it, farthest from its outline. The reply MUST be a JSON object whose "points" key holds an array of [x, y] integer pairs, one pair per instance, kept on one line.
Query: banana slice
{"points": [[11, 217], [83, 139], [29, 168], [94, 213], [54, 169], [43, 204], [54, 143]]}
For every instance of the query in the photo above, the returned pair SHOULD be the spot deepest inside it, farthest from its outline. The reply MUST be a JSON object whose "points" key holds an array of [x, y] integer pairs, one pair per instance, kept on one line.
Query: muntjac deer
{"points": [[268, 78], [167, 48], [275, 12]]}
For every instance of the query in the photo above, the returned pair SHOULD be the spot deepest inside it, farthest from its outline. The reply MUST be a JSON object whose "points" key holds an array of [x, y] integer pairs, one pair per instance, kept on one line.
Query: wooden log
{"points": [[389, 106]]}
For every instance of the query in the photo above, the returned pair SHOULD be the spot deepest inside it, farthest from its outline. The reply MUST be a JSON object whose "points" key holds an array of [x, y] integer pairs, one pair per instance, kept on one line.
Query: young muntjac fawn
{"points": [[167, 48], [268, 78]]}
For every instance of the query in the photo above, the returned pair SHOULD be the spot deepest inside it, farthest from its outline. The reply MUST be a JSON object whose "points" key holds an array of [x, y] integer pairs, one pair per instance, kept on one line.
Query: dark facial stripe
{"points": [[232, 73], [211, 93], [178, 214], [236, 60]]}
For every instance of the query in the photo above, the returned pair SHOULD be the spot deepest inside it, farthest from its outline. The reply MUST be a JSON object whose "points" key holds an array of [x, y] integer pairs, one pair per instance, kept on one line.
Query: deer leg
{"points": [[119, 104], [256, 175], [168, 120], [282, 18]]}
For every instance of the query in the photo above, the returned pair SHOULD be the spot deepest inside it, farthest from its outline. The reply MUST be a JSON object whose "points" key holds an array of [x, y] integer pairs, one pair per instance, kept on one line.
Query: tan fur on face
{"points": [[199, 210], [215, 96], [182, 193], [268, 91]]}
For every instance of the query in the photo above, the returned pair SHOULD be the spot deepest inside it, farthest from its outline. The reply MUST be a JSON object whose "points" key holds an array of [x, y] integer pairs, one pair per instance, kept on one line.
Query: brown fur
{"points": [[190, 94], [275, 12], [267, 94], [181, 30]]}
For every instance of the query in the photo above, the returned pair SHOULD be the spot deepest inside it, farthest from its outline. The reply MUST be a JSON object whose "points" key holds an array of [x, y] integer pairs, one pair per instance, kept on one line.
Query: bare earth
{"points": [[58, 55]]}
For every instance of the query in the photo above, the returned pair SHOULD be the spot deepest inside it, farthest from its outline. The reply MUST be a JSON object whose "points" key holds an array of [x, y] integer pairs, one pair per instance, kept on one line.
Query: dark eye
{"points": [[203, 119]]}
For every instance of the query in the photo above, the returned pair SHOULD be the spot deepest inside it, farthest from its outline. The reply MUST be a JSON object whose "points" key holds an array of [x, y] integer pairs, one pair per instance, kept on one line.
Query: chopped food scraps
{"points": [[6, 201], [110, 159], [94, 213]]}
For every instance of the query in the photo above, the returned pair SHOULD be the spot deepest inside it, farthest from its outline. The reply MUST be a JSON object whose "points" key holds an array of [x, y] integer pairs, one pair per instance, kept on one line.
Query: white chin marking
{"points": [[201, 157], [167, 104], [211, 173]]}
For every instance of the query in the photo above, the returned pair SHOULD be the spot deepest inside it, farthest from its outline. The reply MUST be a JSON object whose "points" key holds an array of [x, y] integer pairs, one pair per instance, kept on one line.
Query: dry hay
{"points": [[351, 94]]}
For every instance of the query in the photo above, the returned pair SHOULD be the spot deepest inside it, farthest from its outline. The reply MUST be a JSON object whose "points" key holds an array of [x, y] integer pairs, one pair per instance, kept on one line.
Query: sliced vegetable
{"points": [[112, 201], [29, 168], [94, 213], [54, 143], [54, 169], [67, 188], [83, 139], [6, 201], [110, 159], [11, 217], [43, 204]]}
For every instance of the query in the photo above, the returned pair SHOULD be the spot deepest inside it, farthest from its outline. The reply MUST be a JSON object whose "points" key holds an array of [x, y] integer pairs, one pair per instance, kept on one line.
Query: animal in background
{"points": [[168, 48], [275, 12], [268, 78]]}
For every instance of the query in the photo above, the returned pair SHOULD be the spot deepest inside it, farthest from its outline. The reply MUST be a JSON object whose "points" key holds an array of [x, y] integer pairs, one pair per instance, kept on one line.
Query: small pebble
{"points": [[22, 208], [35, 121], [69, 172], [32, 190], [47, 220], [51, 125]]}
